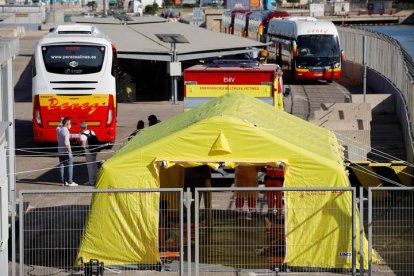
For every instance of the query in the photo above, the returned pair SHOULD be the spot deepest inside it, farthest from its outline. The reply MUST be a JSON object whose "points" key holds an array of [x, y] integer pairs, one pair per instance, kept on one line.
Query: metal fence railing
{"points": [[214, 234], [60, 228], [254, 238], [389, 59], [391, 230], [9, 47]]}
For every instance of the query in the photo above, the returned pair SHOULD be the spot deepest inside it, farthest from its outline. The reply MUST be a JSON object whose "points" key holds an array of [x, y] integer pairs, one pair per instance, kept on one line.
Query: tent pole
{"points": [[361, 231], [353, 232]]}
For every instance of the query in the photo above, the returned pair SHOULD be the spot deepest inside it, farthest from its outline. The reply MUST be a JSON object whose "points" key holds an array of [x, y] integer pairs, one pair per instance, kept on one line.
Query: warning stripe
{"points": [[367, 174]]}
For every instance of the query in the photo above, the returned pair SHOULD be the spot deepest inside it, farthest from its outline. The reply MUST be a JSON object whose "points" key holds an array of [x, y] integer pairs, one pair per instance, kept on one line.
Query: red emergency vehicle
{"points": [[263, 81]]}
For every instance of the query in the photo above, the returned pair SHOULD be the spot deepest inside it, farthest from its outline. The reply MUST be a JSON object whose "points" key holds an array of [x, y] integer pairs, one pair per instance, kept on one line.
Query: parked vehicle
{"points": [[203, 82], [241, 21], [258, 23], [227, 20], [305, 47], [74, 76]]}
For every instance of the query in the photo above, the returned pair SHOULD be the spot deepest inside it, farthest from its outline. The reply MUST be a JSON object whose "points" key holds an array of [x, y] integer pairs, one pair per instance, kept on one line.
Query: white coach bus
{"points": [[305, 47], [74, 76]]}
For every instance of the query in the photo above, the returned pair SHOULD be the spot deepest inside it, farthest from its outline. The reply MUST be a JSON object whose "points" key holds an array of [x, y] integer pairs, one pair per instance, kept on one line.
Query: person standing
{"points": [[65, 153], [246, 176], [90, 156], [274, 178], [200, 177]]}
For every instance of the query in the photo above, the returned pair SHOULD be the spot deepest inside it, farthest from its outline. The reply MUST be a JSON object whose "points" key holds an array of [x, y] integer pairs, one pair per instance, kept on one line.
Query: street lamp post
{"points": [[174, 64]]}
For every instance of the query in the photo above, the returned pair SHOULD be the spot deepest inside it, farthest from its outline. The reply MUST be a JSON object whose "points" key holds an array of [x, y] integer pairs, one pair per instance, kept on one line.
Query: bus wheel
{"points": [[329, 81]]}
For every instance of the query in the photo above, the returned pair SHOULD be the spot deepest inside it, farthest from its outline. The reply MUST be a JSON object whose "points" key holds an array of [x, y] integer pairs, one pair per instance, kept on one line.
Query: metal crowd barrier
{"points": [[195, 238], [52, 227], [252, 239], [388, 58], [391, 230]]}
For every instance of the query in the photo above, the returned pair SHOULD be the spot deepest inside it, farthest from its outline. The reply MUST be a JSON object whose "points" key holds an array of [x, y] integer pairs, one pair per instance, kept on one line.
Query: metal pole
{"points": [[188, 232], [174, 78], [353, 232], [369, 231], [196, 238], [104, 8], [181, 234], [361, 231], [171, 80], [13, 237], [21, 237], [6, 84], [364, 62], [11, 160]]}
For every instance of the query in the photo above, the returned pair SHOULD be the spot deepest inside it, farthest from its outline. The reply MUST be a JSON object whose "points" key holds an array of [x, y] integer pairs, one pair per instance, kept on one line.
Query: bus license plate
{"points": [[318, 74]]}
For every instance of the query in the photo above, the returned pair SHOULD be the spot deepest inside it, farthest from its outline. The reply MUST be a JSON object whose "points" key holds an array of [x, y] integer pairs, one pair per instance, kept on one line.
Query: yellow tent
{"points": [[234, 128]]}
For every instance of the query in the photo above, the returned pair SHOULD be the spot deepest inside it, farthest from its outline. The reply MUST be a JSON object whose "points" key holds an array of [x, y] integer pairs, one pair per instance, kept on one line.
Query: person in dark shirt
{"points": [[153, 120], [140, 126]]}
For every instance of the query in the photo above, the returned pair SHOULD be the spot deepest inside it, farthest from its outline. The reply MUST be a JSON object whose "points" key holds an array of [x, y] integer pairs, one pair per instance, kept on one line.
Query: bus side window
{"points": [[33, 68], [114, 67]]}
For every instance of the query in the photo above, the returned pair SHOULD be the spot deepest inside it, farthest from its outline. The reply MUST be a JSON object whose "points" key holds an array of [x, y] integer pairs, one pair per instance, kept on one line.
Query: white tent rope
{"points": [[368, 172], [384, 154], [373, 161], [117, 142], [57, 167], [402, 172], [75, 154], [381, 154]]}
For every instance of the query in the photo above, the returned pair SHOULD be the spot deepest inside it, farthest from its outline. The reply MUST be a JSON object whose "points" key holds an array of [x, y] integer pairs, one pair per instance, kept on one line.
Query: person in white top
{"points": [[90, 156], [65, 153]]}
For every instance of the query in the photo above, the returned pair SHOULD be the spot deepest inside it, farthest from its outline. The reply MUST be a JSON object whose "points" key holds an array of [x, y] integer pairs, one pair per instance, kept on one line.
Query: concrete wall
{"points": [[352, 71], [387, 73], [31, 17], [7, 31], [56, 16], [213, 19]]}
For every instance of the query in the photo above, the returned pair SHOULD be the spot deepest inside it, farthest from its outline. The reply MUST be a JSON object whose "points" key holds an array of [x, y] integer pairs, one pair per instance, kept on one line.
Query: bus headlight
{"points": [[301, 67], [110, 117], [337, 65]]}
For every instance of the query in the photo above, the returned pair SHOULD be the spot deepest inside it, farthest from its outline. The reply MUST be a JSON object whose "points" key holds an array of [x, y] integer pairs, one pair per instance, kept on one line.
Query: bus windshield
{"points": [[317, 46], [73, 59]]}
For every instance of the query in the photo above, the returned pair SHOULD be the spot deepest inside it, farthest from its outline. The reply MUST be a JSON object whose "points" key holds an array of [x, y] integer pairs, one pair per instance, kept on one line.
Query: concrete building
{"points": [[8, 49]]}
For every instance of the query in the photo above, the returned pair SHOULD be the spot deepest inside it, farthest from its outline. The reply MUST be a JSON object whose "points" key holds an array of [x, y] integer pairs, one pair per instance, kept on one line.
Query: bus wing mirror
{"points": [[294, 48], [342, 55], [286, 92]]}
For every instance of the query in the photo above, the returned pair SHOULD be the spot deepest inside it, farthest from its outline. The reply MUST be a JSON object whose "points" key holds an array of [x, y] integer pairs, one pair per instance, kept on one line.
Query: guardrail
{"points": [[54, 237], [386, 57], [9, 47], [390, 230], [220, 236]]}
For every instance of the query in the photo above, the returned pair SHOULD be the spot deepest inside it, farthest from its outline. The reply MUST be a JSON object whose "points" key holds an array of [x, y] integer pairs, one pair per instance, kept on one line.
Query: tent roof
{"points": [[138, 40], [234, 128], [261, 118]]}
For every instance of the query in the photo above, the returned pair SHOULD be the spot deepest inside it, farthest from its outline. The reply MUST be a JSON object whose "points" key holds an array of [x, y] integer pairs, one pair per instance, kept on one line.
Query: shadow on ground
{"points": [[52, 235]]}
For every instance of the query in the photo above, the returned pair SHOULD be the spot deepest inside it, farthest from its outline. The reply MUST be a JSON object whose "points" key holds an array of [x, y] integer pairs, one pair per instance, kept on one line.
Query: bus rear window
{"points": [[73, 59]]}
